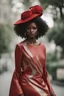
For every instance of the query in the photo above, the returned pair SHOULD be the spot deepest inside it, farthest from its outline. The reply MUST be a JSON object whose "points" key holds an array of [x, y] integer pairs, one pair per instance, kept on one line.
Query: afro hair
{"points": [[20, 29]]}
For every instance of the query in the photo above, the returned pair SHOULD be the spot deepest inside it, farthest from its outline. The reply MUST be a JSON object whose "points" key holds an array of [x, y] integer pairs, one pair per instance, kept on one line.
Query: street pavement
{"points": [[5, 80]]}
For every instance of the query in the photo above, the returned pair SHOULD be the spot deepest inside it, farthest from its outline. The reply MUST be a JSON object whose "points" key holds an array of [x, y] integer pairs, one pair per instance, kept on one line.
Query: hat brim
{"points": [[20, 21]]}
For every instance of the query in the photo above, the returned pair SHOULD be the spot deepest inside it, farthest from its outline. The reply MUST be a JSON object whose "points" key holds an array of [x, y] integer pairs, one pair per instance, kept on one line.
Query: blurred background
{"points": [[53, 14]]}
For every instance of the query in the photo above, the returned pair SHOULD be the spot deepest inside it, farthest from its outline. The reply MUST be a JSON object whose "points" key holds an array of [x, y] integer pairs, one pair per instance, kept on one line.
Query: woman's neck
{"points": [[31, 40]]}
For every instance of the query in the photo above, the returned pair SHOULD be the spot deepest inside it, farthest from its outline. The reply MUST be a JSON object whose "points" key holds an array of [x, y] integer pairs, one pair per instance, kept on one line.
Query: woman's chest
{"points": [[34, 52]]}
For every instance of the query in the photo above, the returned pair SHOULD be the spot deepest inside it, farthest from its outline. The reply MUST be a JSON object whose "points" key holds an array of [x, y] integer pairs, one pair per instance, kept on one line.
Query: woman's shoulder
{"points": [[43, 46], [20, 44]]}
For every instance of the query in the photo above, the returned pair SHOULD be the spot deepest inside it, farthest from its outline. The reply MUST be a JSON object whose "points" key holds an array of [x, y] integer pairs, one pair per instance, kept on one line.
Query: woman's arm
{"points": [[15, 88]]}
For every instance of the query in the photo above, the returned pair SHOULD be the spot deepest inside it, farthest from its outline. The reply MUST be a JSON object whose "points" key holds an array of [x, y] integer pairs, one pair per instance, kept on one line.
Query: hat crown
{"points": [[36, 9], [26, 14], [33, 10]]}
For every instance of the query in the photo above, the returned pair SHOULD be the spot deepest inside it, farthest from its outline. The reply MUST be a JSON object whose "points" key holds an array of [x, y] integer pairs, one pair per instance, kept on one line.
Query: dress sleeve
{"points": [[15, 88], [46, 78]]}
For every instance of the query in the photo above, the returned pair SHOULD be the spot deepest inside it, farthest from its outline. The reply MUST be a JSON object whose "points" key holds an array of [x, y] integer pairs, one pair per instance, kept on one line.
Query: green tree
{"points": [[27, 3], [57, 6], [5, 39], [57, 34]]}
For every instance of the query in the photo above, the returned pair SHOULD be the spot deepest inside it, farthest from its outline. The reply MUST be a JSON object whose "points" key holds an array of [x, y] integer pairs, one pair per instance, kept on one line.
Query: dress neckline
{"points": [[31, 44], [37, 45]]}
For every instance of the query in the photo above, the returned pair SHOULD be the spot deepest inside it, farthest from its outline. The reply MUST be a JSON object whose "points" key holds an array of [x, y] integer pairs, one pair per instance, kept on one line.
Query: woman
{"points": [[30, 76]]}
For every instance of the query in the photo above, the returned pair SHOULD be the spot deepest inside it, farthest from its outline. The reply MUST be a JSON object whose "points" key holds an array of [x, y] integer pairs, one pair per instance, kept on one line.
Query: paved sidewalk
{"points": [[5, 80], [59, 90]]}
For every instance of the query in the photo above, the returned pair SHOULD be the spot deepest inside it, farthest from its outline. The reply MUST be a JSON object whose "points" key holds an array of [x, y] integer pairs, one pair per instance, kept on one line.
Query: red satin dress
{"points": [[30, 76]]}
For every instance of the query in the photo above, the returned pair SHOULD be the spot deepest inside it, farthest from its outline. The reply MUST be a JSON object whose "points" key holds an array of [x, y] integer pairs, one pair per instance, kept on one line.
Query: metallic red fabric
{"points": [[30, 76]]}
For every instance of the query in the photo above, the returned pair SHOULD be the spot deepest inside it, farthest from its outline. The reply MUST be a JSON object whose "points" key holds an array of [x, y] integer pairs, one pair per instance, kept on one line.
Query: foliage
{"points": [[57, 34], [25, 3], [54, 2], [6, 16], [5, 38], [3, 69], [52, 68], [51, 57], [53, 64], [58, 6]]}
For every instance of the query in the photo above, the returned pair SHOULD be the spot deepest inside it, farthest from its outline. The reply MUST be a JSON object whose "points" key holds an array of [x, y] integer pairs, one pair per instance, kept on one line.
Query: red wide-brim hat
{"points": [[34, 11]]}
